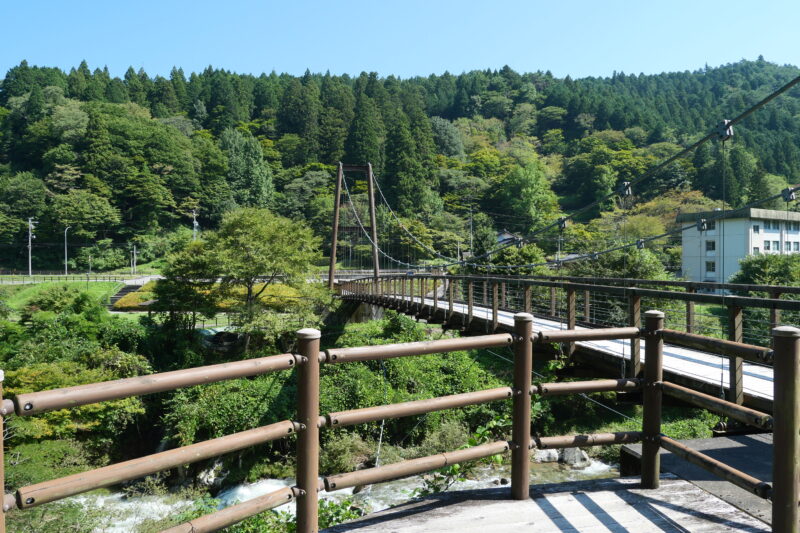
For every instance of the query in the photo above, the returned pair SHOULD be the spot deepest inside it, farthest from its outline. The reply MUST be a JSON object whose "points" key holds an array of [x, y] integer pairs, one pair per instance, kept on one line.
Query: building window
{"points": [[711, 225], [766, 246], [756, 229], [788, 246], [711, 266], [776, 246], [756, 251], [796, 246], [711, 246], [795, 226]]}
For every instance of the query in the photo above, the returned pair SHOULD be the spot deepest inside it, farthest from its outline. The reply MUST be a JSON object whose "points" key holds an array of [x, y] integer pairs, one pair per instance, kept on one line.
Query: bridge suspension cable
{"points": [[561, 222]]}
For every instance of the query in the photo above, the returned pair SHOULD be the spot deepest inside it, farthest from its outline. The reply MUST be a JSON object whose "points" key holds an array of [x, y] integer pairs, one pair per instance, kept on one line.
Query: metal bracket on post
{"points": [[788, 195], [625, 189], [702, 225]]}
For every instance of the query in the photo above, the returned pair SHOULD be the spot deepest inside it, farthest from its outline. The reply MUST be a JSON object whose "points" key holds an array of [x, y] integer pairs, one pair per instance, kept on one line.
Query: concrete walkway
{"points": [[615, 505], [752, 454]]}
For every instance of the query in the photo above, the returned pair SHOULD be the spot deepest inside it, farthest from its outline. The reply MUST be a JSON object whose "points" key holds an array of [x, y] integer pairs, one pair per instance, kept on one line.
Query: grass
{"points": [[18, 296]]}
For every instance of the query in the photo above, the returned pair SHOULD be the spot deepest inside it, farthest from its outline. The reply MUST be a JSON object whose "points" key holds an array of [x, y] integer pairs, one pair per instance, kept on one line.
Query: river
{"points": [[128, 512]]}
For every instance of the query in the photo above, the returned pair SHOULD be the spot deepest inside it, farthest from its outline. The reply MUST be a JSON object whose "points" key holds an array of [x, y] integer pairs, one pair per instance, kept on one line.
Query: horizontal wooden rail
{"points": [[38, 402], [413, 466], [106, 476], [719, 469], [388, 351], [397, 410], [748, 416], [578, 387], [748, 352], [717, 299], [570, 335], [632, 282], [236, 513], [583, 441]]}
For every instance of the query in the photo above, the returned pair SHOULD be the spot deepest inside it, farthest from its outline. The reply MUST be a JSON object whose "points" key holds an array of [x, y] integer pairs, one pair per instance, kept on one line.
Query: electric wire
{"points": [[561, 221]]}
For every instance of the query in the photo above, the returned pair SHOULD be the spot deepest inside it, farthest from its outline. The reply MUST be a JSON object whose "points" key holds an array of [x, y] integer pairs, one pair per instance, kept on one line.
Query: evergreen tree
{"points": [[249, 177], [365, 139]]}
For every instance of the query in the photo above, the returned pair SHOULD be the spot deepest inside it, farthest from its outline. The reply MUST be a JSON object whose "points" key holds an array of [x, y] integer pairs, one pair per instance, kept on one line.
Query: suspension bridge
{"points": [[724, 347]]}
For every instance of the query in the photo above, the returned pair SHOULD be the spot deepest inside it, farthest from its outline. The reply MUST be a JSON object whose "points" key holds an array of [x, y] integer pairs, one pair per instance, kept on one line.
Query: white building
{"points": [[714, 254]]}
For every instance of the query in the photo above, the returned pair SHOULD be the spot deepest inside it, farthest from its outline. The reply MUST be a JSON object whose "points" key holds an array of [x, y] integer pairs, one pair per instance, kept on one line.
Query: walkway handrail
{"points": [[524, 346], [481, 299]]}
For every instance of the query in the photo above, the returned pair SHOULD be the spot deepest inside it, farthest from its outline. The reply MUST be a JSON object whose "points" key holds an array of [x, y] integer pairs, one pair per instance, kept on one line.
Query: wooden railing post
{"points": [[521, 422], [485, 293], [635, 320], [495, 308], [786, 423], [735, 364], [571, 316], [308, 438], [690, 312], [526, 305], [470, 303], [503, 295], [552, 301], [651, 416], [450, 298], [587, 307], [435, 297], [402, 294], [774, 314]]}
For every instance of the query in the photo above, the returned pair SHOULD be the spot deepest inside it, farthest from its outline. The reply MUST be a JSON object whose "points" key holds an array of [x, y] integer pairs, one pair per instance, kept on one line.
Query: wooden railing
{"points": [[524, 344]]}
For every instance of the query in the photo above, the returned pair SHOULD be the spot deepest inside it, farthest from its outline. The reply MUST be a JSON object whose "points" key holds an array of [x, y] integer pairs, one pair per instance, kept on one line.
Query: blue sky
{"points": [[408, 38]]}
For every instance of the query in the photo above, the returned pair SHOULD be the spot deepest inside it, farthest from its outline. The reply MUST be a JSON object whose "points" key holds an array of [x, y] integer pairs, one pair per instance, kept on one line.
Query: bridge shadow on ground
{"points": [[616, 505]]}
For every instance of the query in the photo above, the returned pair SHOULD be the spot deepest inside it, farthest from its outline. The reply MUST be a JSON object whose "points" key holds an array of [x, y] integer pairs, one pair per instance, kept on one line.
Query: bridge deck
{"points": [[616, 505], [700, 366]]}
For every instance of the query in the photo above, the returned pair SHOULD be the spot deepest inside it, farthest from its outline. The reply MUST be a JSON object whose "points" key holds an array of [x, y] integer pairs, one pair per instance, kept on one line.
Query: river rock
{"points": [[213, 476], [574, 457], [546, 456]]}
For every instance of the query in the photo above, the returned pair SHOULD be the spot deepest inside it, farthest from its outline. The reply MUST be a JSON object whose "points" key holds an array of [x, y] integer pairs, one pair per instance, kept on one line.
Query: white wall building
{"points": [[714, 254]]}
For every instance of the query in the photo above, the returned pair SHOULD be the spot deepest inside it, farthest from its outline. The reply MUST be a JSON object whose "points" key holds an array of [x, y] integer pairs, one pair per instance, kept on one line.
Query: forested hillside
{"points": [[128, 160]]}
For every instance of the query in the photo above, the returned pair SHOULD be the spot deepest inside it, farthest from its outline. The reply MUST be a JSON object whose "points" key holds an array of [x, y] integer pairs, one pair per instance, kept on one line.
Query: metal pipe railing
{"points": [[106, 476], [417, 407], [748, 352], [786, 419], [584, 441], [412, 467], [38, 402], [718, 468], [236, 513], [748, 416], [388, 351]]}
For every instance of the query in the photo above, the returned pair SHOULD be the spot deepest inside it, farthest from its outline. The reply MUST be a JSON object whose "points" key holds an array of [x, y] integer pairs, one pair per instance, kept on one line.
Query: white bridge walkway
{"points": [[701, 366]]}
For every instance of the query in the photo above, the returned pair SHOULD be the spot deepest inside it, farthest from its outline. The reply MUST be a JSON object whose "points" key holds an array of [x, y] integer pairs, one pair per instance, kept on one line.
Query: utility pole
{"points": [[373, 222], [195, 225], [134, 259], [335, 231], [31, 236], [65, 249]]}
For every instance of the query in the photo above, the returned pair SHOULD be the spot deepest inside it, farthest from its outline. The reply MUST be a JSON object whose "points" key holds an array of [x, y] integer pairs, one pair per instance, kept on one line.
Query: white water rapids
{"points": [[128, 512]]}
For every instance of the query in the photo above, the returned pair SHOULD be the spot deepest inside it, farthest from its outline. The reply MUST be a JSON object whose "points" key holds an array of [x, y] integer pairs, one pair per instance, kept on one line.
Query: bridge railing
{"points": [[476, 303], [308, 421]]}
